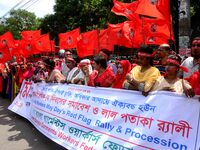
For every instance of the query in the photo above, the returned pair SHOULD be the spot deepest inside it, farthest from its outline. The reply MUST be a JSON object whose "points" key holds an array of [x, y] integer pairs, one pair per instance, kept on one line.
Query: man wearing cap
{"points": [[192, 62]]}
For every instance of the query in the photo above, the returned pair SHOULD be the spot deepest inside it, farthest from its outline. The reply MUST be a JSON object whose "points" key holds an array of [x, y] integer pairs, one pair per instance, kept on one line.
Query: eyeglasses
{"points": [[194, 45]]}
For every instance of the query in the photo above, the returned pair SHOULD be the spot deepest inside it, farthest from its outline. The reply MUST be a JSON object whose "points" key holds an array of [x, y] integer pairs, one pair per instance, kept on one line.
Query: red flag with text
{"points": [[87, 44], [69, 39]]}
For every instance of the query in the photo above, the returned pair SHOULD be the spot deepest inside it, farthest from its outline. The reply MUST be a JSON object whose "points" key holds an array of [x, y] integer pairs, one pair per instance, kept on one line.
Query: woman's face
{"points": [[171, 69], [119, 69], [96, 66], [143, 61]]}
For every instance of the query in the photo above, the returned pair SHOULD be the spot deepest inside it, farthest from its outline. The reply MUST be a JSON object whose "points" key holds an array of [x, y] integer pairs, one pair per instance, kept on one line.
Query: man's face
{"points": [[70, 64], [195, 52]]}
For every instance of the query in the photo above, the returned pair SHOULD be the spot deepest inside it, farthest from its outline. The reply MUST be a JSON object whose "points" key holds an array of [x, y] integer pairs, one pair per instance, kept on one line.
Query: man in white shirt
{"points": [[192, 62]]}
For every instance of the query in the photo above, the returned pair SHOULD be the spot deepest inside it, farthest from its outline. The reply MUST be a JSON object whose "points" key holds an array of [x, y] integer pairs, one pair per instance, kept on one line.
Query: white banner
{"points": [[88, 118]]}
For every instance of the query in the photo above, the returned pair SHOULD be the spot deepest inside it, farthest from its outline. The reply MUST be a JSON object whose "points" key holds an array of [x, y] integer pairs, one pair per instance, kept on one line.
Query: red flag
{"points": [[87, 44], [133, 31], [125, 9], [6, 40], [69, 39], [28, 47], [18, 49], [156, 40], [30, 35], [4, 55], [149, 8], [116, 34], [104, 40], [42, 44], [157, 27], [164, 7]]}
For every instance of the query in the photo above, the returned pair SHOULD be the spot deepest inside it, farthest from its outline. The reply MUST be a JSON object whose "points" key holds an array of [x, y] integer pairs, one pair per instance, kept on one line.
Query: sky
{"points": [[39, 7]]}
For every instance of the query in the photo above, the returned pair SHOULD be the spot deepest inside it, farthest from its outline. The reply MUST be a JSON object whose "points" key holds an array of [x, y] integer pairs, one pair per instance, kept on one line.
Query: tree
{"points": [[86, 14], [20, 20]]}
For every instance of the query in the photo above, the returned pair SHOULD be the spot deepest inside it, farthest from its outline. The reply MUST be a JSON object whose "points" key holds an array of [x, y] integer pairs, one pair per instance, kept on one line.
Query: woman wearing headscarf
{"points": [[143, 76], [85, 70], [123, 67], [101, 76], [171, 81]]}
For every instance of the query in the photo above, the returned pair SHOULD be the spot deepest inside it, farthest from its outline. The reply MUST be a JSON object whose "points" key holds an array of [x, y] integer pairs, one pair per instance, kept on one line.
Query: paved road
{"points": [[16, 133]]}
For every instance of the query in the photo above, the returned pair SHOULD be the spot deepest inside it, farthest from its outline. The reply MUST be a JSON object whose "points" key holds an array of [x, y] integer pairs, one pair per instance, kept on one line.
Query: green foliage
{"points": [[86, 14], [18, 21]]}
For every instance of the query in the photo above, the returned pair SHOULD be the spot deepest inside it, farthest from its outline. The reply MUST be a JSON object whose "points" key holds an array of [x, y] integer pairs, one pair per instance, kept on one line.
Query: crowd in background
{"points": [[152, 70]]}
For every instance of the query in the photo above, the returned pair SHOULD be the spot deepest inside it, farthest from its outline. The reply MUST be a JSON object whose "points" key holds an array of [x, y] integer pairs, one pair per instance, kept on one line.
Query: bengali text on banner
{"points": [[89, 118]]}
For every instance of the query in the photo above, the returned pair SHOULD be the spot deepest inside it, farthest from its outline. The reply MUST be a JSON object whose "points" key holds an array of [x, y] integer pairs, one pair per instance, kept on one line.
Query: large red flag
{"points": [[28, 47], [30, 34], [6, 40], [4, 55], [156, 40], [164, 7], [149, 8], [116, 34], [157, 27], [104, 40], [87, 44], [125, 9], [69, 39], [18, 49], [42, 44], [133, 31]]}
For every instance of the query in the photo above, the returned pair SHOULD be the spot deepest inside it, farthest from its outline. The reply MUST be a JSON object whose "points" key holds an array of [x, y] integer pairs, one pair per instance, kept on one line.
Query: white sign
{"points": [[88, 118]]}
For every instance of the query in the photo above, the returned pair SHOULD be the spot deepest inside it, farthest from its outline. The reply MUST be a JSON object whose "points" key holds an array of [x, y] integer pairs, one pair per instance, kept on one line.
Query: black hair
{"points": [[106, 51], [100, 61], [148, 50], [50, 63], [196, 38]]}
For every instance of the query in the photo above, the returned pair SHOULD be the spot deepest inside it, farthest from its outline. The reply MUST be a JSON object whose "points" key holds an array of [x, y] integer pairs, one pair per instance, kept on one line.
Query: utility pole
{"points": [[184, 27]]}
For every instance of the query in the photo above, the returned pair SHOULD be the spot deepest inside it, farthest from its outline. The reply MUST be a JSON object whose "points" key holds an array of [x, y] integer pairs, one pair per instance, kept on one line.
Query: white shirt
{"points": [[189, 63]]}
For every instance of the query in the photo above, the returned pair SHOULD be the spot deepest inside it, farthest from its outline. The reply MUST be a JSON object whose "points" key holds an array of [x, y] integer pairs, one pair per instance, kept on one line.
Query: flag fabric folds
{"points": [[87, 44], [69, 39]]}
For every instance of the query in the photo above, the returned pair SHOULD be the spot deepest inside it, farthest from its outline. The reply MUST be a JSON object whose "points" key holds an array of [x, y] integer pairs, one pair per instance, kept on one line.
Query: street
{"points": [[17, 133]]}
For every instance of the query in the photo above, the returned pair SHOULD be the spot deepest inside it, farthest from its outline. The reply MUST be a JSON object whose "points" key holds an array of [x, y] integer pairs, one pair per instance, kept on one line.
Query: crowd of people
{"points": [[153, 70]]}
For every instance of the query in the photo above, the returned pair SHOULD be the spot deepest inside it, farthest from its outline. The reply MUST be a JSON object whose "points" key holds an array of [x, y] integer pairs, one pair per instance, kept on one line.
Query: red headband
{"points": [[146, 54], [83, 64], [71, 59], [175, 62]]}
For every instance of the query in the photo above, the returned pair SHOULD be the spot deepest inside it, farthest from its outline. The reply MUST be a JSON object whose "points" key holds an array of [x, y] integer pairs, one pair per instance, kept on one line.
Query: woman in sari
{"points": [[123, 67], [171, 81], [101, 76], [143, 76]]}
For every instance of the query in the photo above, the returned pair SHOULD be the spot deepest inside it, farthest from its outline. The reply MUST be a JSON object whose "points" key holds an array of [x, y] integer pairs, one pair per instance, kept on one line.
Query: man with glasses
{"points": [[192, 62], [64, 68]]}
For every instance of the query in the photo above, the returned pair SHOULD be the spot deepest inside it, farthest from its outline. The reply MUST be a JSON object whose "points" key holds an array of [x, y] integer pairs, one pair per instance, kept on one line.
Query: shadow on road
{"points": [[17, 133]]}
